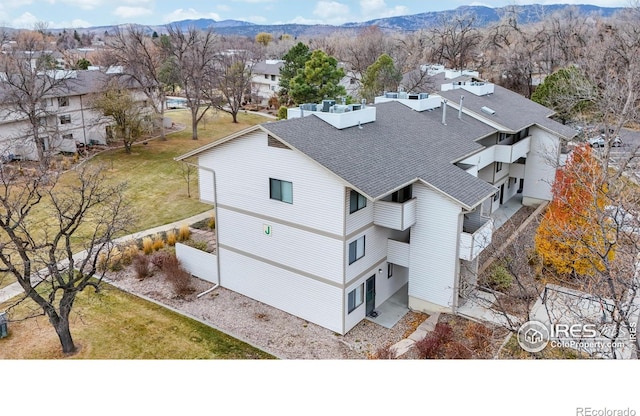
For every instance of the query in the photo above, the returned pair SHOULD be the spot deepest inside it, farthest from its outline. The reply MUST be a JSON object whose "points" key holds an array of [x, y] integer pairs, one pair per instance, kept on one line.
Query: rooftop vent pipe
{"points": [[488, 110], [444, 112], [460, 109]]}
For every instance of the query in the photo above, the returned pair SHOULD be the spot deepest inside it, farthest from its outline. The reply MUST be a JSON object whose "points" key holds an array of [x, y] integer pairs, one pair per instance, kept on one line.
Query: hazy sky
{"points": [[84, 13]]}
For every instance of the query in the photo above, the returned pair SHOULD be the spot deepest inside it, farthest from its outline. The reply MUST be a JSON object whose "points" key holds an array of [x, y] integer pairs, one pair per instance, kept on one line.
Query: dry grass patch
{"points": [[116, 325]]}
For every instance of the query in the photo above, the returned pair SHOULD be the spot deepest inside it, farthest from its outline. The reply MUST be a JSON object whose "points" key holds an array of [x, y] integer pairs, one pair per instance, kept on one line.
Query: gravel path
{"points": [[268, 328]]}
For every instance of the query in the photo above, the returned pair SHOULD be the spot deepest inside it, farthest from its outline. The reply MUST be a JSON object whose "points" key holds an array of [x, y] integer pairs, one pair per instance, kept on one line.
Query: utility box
{"points": [[4, 325]]}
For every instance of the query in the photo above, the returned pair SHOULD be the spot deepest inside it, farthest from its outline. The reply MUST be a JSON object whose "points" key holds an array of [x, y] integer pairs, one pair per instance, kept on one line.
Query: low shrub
{"points": [[500, 279], [457, 351], [159, 259], [66, 163], [114, 262], [172, 238], [147, 245], [211, 223], [177, 276], [184, 233], [158, 243], [141, 266], [129, 252], [433, 344], [479, 336], [101, 263]]}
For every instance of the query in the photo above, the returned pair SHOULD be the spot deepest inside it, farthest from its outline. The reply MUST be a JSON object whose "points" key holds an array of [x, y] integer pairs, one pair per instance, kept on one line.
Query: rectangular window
{"points": [[496, 197], [502, 137], [356, 202], [67, 137], [498, 166], [281, 190], [273, 77], [66, 119], [389, 270], [266, 76], [356, 297], [63, 101], [356, 250]]}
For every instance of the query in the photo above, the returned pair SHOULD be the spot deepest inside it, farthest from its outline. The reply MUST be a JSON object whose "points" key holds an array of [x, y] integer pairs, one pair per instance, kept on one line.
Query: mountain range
{"points": [[484, 16]]}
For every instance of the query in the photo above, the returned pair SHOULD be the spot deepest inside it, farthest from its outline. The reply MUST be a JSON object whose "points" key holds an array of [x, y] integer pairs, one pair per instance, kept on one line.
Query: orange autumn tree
{"points": [[571, 237]]}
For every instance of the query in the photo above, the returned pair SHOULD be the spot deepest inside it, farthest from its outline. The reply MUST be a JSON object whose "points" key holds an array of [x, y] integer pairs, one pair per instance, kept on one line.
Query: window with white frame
{"points": [[356, 250], [356, 297], [281, 190], [65, 119], [63, 101], [273, 77], [498, 166], [356, 202], [389, 270], [67, 137]]}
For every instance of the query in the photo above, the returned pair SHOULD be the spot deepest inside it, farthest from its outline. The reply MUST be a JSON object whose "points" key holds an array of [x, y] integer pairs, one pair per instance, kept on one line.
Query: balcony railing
{"points": [[511, 153], [398, 253], [476, 236], [397, 216], [505, 153]]}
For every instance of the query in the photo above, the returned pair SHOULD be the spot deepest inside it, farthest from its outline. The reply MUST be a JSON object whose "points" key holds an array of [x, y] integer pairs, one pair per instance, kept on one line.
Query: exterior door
{"points": [[370, 294], [501, 194]]}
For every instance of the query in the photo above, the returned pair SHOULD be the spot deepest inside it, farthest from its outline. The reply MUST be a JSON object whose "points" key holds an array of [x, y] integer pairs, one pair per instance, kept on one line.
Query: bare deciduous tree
{"points": [[143, 59], [193, 52], [228, 78], [40, 254]]}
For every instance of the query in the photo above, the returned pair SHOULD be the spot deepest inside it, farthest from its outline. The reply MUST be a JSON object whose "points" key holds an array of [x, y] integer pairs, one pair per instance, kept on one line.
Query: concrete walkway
{"points": [[14, 289]]}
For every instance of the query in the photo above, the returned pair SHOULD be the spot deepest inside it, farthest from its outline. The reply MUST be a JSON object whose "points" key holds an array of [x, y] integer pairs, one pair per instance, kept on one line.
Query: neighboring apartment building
{"points": [[329, 213], [265, 82], [67, 119]]}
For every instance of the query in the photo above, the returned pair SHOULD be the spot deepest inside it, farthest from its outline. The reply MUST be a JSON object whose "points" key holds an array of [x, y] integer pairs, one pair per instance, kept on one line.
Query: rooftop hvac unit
{"points": [[402, 95], [423, 96], [327, 104], [355, 107], [340, 108], [390, 95], [309, 107]]}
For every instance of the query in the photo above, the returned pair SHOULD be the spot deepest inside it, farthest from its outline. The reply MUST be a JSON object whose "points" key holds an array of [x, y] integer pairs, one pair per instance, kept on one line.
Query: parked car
{"points": [[600, 141]]}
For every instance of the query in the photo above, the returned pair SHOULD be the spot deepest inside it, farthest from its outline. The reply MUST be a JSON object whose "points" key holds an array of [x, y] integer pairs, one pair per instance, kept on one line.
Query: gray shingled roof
{"points": [[269, 69], [512, 110], [402, 145], [85, 82]]}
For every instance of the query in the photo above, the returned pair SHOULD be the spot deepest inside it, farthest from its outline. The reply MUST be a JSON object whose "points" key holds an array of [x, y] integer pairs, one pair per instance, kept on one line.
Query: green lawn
{"points": [[116, 325]]}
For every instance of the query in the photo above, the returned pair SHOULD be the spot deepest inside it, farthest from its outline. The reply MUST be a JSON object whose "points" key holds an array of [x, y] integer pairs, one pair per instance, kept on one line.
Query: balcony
{"points": [[513, 152], [397, 216], [475, 237], [505, 153], [398, 253]]}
